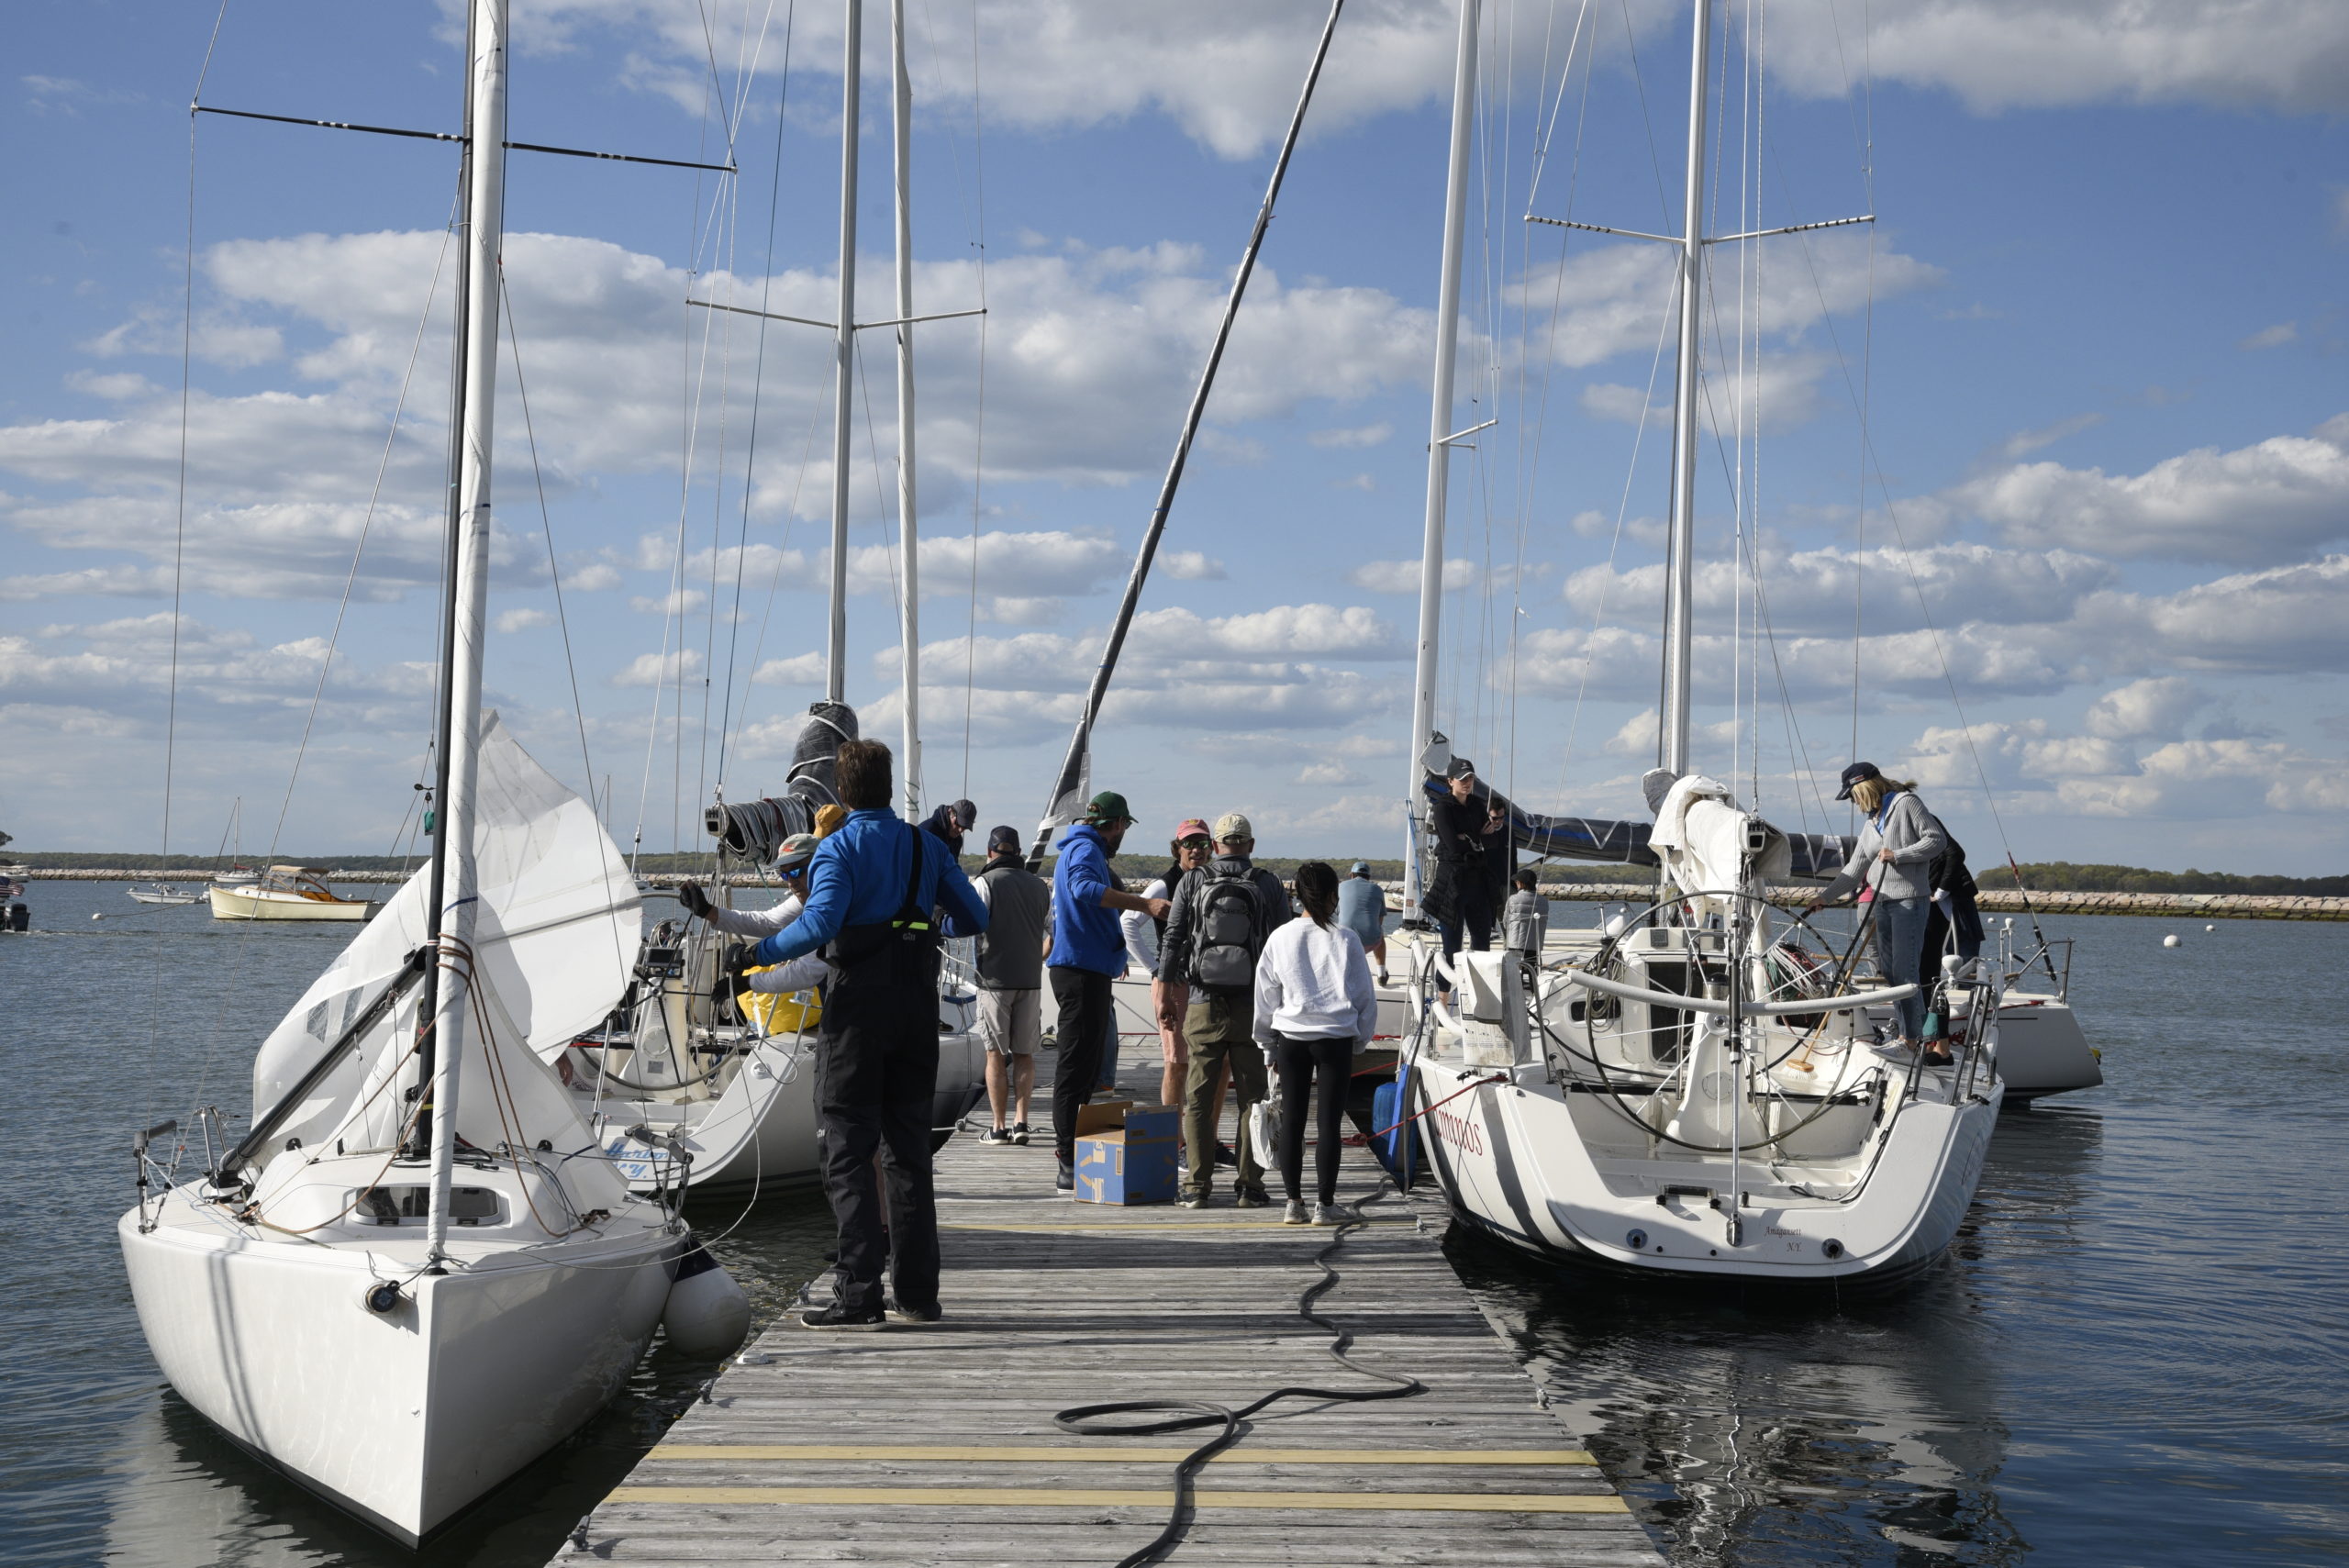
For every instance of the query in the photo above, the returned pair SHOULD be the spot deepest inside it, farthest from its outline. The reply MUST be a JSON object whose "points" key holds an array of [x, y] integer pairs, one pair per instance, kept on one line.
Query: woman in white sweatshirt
{"points": [[1314, 1002]]}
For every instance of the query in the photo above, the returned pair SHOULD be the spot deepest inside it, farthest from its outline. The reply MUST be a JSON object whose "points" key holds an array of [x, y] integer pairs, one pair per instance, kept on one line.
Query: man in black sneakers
{"points": [[1011, 982], [872, 887]]}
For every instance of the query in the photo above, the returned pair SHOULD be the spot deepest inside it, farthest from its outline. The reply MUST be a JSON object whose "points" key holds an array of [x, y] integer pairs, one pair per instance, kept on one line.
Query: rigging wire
{"points": [[554, 579], [758, 383], [359, 550]]}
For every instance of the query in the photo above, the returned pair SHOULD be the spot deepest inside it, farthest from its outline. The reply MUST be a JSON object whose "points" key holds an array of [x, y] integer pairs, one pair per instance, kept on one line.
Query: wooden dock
{"points": [[936, 1444]]}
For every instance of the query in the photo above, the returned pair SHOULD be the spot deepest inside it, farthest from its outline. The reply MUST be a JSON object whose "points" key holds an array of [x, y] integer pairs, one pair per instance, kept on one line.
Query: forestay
{"points": [[557, 938]]}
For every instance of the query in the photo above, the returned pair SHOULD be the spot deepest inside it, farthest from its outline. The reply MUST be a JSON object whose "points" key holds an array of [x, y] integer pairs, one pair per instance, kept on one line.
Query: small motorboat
{"points": [[288, 893], [166, 893]]}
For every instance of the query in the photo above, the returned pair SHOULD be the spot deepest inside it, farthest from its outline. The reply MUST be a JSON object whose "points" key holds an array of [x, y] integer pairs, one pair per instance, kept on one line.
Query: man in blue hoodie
{"points": [[1089, 951], [872, 889]]}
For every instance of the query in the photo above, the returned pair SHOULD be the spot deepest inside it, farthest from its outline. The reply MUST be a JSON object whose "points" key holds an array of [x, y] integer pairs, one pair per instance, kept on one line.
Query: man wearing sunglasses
{"points": [[799, 973]]}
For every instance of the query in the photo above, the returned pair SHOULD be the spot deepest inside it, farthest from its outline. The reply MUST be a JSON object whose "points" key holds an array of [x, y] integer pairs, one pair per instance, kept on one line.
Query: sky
{"points": [[2035, 490]]}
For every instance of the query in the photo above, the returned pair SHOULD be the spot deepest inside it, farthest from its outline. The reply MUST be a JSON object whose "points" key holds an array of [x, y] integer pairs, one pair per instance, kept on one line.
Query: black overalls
{"points": [[876, 1072]]}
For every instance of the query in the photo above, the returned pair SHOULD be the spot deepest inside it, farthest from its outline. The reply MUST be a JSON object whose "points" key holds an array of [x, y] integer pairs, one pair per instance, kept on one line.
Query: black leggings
{"points": [[1301, 1058]]}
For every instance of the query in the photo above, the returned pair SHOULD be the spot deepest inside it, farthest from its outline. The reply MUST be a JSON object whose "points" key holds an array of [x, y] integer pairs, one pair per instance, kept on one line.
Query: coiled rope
{"points": [[1087, 1420]]}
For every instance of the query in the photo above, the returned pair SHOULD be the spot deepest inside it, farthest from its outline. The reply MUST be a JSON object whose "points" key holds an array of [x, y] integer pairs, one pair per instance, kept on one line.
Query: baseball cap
{"points": [[1192, 827], [1360, 867], [966, 814], [796, 852], [1003, 840], [1853, 774], [1107, 808], [1461, 768], [1231, 826], [830, 819]]}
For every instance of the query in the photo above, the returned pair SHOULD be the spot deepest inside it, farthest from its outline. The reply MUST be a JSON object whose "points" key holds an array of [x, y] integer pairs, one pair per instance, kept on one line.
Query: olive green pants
{"points": [[1217, 1027]]}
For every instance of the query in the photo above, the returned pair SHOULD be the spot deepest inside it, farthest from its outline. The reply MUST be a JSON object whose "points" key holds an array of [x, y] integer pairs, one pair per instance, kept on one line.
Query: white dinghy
{"points": [[1692, 1089], [416, 1273]]}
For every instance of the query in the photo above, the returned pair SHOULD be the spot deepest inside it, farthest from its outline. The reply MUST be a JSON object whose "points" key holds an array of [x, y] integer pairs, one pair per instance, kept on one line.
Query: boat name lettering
{"points": [[1459, 1133]]}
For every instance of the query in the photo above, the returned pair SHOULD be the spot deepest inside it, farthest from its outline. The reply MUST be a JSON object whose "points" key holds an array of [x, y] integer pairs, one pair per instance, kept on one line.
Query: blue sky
{"points": [[2101, 490]]}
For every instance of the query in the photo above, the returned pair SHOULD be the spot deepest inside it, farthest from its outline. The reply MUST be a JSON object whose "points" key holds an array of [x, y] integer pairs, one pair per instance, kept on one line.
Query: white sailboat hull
{"points": [[1512, 1162], [403, 1419]]}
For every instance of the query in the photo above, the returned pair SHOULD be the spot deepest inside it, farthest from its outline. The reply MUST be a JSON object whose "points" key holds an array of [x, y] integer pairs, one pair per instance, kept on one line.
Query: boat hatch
{"points": [[399, 1205]]}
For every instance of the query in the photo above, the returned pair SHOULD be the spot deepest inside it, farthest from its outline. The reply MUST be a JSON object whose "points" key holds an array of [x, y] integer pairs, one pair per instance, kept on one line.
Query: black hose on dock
{"points": [[1084, 1419]]}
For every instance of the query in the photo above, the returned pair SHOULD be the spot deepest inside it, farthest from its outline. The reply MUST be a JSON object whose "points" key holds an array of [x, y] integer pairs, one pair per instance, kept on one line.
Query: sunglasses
{"points": [[1194, 843]]}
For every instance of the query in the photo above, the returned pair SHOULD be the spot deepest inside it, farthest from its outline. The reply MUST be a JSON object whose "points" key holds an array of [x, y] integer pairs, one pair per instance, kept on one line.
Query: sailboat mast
{"points": [[1440, 434], [845, 350], [908, 535], [469, 597], [1680, 570]]}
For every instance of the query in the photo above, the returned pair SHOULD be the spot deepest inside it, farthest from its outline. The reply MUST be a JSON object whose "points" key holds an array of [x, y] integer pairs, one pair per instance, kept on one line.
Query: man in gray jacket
{"points": [[1011, 981], [1899, 840], [1223, 912]]}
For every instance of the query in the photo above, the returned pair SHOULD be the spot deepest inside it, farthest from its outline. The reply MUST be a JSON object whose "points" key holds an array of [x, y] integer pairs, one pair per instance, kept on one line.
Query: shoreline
{"points": [[2209, 906]]}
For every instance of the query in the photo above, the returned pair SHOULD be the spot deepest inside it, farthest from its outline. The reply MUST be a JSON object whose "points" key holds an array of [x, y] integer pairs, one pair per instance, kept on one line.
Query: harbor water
{"points": [[2135, 1355]]}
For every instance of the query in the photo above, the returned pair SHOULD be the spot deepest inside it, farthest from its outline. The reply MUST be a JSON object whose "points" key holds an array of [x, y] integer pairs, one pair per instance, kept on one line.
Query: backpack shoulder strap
{"points": [[911, 915]]}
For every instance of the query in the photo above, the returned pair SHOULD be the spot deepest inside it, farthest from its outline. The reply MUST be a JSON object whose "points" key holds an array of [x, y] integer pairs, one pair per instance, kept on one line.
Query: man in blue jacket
{"points": [[1089, 951], [871, 887]]}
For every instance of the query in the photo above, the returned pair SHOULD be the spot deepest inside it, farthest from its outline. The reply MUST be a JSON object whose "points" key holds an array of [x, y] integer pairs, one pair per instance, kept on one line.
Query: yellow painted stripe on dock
{"points": [[952, 1453], [1270, 1226], [1072, 1497]]}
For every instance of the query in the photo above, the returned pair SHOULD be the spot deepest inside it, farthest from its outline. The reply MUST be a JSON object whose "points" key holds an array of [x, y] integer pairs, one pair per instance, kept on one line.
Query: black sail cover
{"points": [[1817, 856], [756, 830]]}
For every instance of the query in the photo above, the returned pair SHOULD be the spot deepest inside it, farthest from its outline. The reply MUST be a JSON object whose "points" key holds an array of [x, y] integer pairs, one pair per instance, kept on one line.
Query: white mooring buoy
{"points": [[2209, 928], [2172, 940], [99, 915]]}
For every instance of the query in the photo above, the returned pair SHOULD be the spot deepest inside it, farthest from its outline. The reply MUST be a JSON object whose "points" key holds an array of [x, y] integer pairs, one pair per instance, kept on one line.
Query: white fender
{"points": [[708, 1315]]}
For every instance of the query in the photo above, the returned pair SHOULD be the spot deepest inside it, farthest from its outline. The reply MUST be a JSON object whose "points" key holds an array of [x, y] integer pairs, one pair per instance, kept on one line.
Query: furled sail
{"points": [[755, 829]]}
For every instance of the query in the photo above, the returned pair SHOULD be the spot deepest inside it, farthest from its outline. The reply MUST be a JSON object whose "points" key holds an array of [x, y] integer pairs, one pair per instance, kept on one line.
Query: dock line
{"points": [[1087, 1420]]}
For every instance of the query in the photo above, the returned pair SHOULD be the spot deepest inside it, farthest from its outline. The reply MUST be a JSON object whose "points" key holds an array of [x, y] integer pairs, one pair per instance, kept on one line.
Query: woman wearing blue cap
{"points": [[1898, 843]]}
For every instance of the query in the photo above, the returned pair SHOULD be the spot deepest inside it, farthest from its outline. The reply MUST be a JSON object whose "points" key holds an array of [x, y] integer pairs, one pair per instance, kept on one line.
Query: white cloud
{"points": [[1190, 566], [1403, 576], [1811, 592], [1352, 438], [2023, 443], [2261, 503], [800, 670], [2274, 336], [2003, 54], [1611, 299], [2154, 708], [524, 619], [659, 668]]}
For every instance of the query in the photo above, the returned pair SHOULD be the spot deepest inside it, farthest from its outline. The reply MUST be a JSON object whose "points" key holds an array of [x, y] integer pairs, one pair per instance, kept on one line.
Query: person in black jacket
{"points": [[1470, 858]]}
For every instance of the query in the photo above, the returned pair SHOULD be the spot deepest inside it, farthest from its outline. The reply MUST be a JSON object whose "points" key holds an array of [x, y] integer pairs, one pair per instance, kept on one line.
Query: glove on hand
{"points": [[696, 901]]}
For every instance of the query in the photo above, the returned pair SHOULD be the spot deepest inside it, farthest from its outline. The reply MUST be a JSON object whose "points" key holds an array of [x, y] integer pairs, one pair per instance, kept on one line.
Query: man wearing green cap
{"points": [[1089, 951]]}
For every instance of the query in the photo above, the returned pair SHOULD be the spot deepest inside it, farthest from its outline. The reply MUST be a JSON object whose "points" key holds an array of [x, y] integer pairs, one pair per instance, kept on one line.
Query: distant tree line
{"points": [[2050, 876]]}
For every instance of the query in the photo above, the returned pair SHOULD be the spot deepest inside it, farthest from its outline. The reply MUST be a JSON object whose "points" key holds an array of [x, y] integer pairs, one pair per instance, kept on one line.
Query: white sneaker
{"points": [[1294, 1213], [1331, 1214]]}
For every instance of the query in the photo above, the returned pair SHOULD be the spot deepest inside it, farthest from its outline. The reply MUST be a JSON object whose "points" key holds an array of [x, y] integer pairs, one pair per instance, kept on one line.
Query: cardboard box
{"points": [[1117, 1168]]}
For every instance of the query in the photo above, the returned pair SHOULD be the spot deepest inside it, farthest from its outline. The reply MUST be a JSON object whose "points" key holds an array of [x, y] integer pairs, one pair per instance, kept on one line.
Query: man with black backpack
{"points": [[1223, 913]]}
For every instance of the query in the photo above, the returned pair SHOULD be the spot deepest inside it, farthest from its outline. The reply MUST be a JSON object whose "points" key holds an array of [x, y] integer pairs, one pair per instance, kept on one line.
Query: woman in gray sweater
{"points": [[1898, 842]]}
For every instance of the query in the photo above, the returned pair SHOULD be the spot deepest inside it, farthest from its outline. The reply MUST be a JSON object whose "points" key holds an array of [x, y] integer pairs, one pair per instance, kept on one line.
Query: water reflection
{"points": [[181, 1494], [1756, 1427]]}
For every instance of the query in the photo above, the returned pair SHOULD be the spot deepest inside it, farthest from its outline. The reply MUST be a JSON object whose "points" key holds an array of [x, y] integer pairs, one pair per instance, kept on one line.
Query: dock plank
{"points": [[936, 1444]]}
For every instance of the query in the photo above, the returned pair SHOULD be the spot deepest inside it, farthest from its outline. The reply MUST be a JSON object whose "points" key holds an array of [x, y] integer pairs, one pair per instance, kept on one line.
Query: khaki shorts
{"points": [[1012, 1022]]}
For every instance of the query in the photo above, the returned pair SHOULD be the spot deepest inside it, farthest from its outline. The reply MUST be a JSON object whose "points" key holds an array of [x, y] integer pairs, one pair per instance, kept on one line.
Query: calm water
{"points": [[2136, 1356], [115, 1024]]}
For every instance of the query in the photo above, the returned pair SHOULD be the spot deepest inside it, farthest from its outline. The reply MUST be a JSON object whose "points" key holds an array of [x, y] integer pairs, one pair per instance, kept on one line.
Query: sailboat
{"points": [[1691, 1090], [416, 1273], [686, 1090]]}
